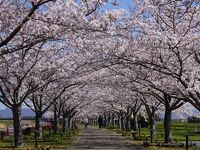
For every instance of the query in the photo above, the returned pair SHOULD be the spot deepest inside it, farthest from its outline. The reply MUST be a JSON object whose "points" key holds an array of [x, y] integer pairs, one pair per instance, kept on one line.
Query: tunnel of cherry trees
{"points": [[77, 58]]}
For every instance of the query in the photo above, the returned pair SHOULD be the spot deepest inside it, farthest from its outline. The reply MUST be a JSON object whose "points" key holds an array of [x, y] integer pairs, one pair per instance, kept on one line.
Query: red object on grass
{"points": [[7, 132]]}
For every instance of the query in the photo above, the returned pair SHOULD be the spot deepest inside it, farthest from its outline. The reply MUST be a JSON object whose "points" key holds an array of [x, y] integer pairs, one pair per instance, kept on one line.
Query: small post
{"points": [[151, 136], [186, 141], [49, 134], [36, 138], [36, 141], [139, 130]]}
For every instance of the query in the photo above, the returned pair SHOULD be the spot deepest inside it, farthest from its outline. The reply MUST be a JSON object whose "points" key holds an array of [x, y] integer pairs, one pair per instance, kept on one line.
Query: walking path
{"points": [[103, 139]]}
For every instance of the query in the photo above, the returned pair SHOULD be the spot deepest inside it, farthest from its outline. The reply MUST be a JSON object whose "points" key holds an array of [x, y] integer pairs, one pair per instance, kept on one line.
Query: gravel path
{"points": [[95, 139]]}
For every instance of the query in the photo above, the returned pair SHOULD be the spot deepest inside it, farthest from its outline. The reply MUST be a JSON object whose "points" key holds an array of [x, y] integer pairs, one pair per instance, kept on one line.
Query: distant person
{"points": [[104, 122], [100, 121], [74, 124], [86, 122]]}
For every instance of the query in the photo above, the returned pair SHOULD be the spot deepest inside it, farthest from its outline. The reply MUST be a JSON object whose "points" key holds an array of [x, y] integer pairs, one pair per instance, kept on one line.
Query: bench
{"points": [[134, 134]]}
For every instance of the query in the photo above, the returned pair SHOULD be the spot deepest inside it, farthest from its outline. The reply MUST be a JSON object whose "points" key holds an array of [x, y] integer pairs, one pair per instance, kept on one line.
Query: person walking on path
{"points": [[100, 121], [86, 122]]}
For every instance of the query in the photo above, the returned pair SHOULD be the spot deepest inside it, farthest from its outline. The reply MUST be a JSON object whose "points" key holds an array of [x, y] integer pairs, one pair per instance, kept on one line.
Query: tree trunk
{"points": [[104, 120], [118, 122], [152, 123], [64, 125], [113, 120], [109, 119], [167, 125], [69, 122], [127, 123], [55, 121], [38, 126], [152, 120], [135, 122], [16, 110], [122, 121]]}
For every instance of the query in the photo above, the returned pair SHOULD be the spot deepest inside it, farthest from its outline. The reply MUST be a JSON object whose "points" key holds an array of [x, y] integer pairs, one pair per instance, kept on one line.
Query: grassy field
{"points": [[9, 123], [5, 123], [168, 148], [59, 141], [178, 131], [55, 141]]}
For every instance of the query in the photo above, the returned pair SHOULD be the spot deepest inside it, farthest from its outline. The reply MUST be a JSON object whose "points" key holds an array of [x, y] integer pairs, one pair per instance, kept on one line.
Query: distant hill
{"points": [[7, 113]]}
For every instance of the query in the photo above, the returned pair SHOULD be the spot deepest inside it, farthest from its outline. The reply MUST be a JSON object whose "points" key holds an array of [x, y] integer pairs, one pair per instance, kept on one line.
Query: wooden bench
{"points": [[134, 134]]}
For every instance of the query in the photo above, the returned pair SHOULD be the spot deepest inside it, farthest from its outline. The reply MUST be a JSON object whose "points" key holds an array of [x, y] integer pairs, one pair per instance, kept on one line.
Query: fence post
{"points": [[139, 130], [186, 142], [36, 138], [151, 135]]}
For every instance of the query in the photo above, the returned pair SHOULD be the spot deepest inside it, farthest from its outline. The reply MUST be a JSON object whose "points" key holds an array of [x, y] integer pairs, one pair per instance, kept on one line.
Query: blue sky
{"points": [[2, 106], [125, 4], [122, 4]]}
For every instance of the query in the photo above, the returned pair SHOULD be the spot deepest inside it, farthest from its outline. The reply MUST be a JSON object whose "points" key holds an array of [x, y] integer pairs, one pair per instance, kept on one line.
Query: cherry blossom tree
{"points": [[169, 38], [152, 105], [42, 100], [43, 25], [47, 20], [159, 54], [17, 83], [152, 83], [15, 26]]}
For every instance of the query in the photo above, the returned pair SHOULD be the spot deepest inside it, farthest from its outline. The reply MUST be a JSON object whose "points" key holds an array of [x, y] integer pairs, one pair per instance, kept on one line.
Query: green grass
{"points": [[5, 123], [169, 148], [139, 142], [56, 141], [178, 131]]}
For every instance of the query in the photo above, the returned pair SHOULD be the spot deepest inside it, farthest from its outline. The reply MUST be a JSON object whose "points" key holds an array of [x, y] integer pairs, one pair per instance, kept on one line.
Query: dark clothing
{"points": [[86, 124], [100, 121]]}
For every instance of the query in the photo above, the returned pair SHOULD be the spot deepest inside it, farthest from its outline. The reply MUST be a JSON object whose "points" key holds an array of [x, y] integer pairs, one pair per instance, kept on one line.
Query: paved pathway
{"points": [[95, 139]]}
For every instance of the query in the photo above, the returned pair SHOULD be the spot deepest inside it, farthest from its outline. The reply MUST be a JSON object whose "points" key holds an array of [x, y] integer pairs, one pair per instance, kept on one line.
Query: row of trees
{"points": [[44, 56], [61, 55], [154, 62]]}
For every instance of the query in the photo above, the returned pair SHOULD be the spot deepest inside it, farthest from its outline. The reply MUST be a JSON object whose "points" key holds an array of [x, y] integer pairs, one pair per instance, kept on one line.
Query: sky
{"points": [[125, 4], [2, 106], [121, 4]]}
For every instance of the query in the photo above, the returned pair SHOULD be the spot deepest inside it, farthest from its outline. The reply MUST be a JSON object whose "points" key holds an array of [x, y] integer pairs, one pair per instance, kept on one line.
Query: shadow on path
{"points": [[95, 139]]}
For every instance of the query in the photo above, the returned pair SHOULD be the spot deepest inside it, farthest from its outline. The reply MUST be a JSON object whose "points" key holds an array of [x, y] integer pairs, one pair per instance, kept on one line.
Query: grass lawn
{"points": [[5, 123], [178, 131], [139, 142], [168, 148], [55, 141], [9, 123]]}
